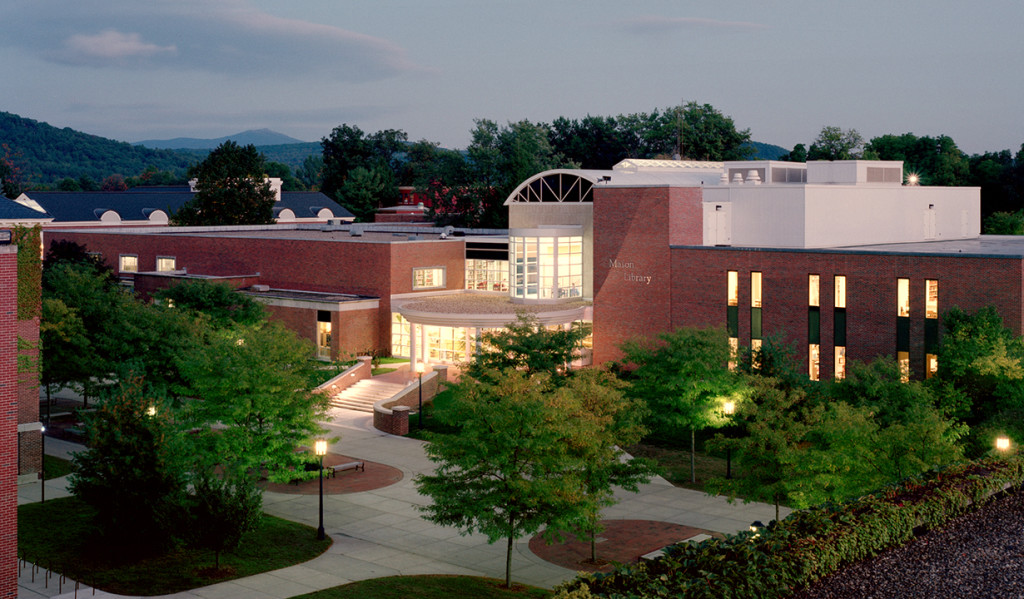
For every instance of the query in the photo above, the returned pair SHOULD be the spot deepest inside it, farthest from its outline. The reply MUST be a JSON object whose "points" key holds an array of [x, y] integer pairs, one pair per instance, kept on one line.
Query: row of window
{"points": [[546, 267], [931, 329], [130, 263]]}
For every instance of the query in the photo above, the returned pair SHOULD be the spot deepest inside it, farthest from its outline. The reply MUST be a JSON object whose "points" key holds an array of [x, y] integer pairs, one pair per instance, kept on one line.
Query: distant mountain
{"points": [[763, 151], [256, 137]]}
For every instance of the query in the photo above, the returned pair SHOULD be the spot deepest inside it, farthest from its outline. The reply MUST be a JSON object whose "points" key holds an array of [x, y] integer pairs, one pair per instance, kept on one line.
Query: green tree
{"points": [[311, 173], [526, 345], [367, 190], [232, 189], [936, 160], [833, 143], [765, 459], [134, 471], [218, 301], [684, 381], [797, 154], [222, 511], [254, 382], [516, 464], [1005, 223], [609, 420], [348, 149], [707, 134], [282, 171], [66, 349]]}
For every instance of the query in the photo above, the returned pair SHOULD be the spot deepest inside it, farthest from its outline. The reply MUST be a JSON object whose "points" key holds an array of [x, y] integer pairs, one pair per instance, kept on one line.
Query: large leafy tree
{"points": [[516, 464], [833, 143], [683, 378], [609, 420], [526, 345], [217, 301], [134, 473], [936, 160], [380, 156], [231, 189], [255, 383], [706, 134]]}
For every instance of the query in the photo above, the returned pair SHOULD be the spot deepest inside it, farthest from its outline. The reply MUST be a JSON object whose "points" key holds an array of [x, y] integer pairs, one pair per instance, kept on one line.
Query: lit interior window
{"points": [[734, 288], [814, 361], [813, 290], [903, 297], [755, 290], [546, 267], [487, 275], [840, 363], [840, 291], [165, 263], [428, 278], [931, 364], [904, 360], [734, 348], [931, 300], [755, 354], [129, 263]]}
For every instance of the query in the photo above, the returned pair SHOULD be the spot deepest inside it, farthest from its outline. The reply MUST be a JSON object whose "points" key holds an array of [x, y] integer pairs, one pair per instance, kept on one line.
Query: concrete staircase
{"points": [[364, 394]]}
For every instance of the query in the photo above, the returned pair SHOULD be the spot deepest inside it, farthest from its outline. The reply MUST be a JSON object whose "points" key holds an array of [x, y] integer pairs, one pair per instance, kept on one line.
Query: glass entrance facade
{"points": [[545, 265]]}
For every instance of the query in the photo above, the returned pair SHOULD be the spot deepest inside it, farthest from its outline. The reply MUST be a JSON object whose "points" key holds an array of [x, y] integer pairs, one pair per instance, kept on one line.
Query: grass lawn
{"points": [[55, 467], [675, 464], [429, 587], [59, 534]]}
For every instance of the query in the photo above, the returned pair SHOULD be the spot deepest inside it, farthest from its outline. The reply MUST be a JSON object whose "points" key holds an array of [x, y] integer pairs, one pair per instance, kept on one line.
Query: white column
{"points": [[412, 346]]}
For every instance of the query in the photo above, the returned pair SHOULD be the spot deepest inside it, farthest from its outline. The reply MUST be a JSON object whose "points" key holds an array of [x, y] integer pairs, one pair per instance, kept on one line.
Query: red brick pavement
{"points": [[375, 476], [623, 541]]}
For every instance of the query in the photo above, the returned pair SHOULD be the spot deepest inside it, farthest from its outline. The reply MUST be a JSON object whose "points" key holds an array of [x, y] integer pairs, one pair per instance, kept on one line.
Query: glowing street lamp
{"points": [[320, 448], [420, 367], [729, 408], [1003, 443]]}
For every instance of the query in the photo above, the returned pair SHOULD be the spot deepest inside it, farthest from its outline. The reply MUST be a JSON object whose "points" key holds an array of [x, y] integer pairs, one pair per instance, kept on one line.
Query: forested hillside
{"points": [[45, 154]]}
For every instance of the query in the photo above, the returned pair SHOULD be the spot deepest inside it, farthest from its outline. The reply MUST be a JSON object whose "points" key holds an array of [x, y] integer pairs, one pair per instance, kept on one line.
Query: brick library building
{"points": [[843, 259]]}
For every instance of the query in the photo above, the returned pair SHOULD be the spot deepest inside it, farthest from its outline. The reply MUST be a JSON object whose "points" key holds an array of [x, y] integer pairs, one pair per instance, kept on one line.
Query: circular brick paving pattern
{"points": [[623, 541], [375, 476]]}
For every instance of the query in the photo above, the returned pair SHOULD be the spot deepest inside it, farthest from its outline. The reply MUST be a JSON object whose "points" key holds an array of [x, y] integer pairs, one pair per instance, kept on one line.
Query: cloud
{"points": [[655, 25], [225, 37], [110, 45]]}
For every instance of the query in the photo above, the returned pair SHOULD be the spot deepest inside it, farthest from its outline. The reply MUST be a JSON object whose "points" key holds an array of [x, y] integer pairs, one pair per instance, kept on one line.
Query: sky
{"points": [[156, 69]]}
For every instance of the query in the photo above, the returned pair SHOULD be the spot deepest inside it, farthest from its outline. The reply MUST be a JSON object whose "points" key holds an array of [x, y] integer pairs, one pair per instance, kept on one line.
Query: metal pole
{"points": [[42, 465], [320, 529], [420, 413], [728, 462]]}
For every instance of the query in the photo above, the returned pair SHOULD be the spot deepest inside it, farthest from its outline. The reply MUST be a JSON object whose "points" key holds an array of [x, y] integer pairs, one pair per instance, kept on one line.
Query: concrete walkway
{"points": [[381, 533]]}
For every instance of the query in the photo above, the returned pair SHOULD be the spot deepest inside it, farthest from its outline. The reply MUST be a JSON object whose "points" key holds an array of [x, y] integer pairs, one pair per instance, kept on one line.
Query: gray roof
{"points": [[11, 210], [140, 202]]}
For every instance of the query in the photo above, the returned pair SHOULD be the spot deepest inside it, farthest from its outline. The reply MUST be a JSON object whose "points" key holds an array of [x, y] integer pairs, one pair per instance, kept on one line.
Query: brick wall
{"points": [[633, 228], [342, 265], [8, 423], [699, 294]]}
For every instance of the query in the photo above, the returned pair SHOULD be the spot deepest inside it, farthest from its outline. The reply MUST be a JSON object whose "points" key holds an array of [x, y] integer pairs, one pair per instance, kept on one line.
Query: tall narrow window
{"points": [[931, 327], [755, 319], [814, 326], [903, 297], [839, 327], [903, 327], [323, 334], [732, 314]]}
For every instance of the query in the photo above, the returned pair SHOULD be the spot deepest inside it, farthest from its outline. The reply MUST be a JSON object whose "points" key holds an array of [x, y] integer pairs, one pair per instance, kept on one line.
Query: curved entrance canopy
{"points": [[556, 186]]}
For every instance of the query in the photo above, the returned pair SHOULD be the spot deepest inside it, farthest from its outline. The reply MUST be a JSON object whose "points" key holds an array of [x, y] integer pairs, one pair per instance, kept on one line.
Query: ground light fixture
{"points": [[420, 367], [1003, 443], [729, 408], [320, 448]]}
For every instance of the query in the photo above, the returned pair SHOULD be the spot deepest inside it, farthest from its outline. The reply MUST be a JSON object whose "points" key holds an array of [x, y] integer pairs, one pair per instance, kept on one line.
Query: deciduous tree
{"points": [[516, 465], [833, 143], [231, 189]]}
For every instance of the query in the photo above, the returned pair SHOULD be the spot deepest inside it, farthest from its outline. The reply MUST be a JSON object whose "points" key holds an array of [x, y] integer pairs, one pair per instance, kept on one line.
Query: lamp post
{"points": [[729, 408], [42, 464], [420, 367], [320, 447], [1003, 444]]}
